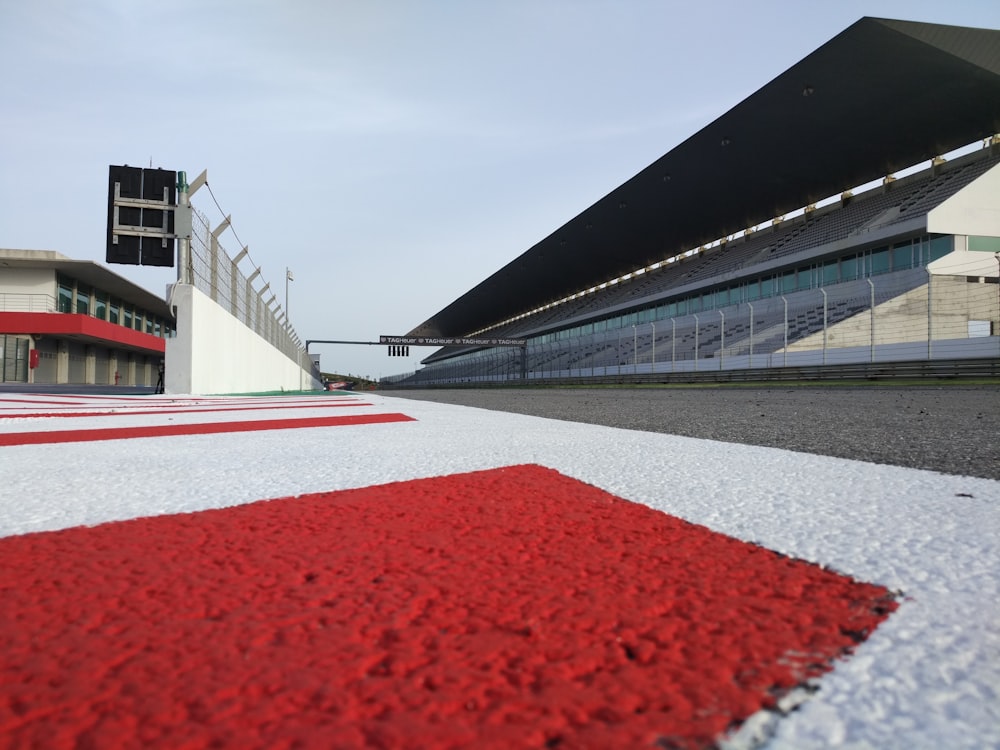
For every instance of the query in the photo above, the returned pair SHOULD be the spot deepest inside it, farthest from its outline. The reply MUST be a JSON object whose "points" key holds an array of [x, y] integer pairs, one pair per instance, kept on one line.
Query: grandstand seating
{"points": [[777, 322]]}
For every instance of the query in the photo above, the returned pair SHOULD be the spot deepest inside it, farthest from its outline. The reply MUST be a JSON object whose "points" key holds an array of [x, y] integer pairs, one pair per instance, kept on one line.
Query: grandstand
{"points": [[874, 238]]}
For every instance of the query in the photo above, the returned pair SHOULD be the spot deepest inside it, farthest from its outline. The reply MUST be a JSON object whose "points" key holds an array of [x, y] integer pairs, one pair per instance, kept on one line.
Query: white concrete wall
{"points": [[213, 352], [28, 281], [973, 210]]}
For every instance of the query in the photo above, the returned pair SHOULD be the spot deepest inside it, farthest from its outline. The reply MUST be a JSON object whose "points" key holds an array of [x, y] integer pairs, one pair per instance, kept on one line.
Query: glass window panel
{"points": [[831, 272], [127, 317], [101, 305], [940, 246], [984, 244], [879, 261], [65, 298], [788, 281], [82, 299], [767, 287], [753, 290], [113, 311], [902, 257]]}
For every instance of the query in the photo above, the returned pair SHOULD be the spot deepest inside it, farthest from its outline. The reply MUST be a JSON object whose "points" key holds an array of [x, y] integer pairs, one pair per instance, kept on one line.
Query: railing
{"points": [[957, 369], [20, 302], [909, 317]]}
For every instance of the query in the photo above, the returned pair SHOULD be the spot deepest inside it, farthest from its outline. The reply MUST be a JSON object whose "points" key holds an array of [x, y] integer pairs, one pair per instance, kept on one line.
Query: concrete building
{"points": [[77, 322]]}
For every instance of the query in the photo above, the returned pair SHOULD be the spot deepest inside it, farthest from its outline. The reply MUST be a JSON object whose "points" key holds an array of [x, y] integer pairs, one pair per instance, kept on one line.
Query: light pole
{"points": [[288, 277]]}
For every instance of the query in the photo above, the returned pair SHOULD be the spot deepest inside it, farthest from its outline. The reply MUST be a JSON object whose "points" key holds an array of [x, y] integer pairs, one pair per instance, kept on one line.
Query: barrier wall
{"points": [[213, 352]]}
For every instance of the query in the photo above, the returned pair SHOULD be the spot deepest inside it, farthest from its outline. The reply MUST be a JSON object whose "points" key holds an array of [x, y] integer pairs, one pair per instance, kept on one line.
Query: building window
{"points": [[984, 244], [101, 305], [65, 292], [127, 317], [880, 261], [804, 279], [113, 311], [82, 299], [940, 246], [831, 272], [788, 281]]}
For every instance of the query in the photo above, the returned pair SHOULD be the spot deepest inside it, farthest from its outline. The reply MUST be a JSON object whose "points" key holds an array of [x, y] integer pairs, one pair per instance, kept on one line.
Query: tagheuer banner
{"points": [[448, 341]]}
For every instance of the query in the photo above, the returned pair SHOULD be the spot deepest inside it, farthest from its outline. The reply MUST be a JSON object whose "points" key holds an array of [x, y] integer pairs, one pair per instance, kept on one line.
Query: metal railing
{"points": [[911, 316], [20, 302]]}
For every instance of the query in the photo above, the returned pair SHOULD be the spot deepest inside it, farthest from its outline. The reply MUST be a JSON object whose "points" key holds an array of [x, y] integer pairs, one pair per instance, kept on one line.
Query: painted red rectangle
{"points": [[205, 428], [515, 607]]}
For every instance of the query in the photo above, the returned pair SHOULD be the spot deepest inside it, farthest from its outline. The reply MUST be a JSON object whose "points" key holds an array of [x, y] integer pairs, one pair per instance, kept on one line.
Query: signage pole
{"points": [[184, 241]]}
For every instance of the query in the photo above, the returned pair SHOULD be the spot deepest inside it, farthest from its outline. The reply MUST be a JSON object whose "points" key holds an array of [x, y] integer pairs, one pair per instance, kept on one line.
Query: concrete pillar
{"points": [[62, 362], [90, 366], [112, 366]]}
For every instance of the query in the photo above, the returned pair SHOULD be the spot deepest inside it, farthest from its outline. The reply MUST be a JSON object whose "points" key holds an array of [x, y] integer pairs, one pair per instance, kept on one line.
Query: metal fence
{"points": [[217, 275], [21, 302], [903, 316]]}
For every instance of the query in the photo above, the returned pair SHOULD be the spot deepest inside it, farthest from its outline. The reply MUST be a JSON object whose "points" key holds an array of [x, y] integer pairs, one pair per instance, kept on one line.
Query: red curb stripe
{"points": [[205, 428], [509, 608], [40, 401], [128, 412]]}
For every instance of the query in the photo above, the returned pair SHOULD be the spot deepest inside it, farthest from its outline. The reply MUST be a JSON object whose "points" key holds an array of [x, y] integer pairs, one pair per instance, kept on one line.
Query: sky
{"points": [[391, 154]]}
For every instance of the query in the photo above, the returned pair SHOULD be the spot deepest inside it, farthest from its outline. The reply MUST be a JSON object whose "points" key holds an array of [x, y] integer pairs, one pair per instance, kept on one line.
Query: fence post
{"points": [[823, 292], [635, 350], [930, 319], [784, 350], [652, 364], [673, 344], [722, 341], [213, 273], [750, 305], [695, 342], [871, 325], [234, 306]]}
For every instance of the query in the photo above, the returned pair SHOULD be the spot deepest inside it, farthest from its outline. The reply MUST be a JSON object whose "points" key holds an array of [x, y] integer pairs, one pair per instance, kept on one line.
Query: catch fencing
{"points": [[900, 317], [215, 274]]}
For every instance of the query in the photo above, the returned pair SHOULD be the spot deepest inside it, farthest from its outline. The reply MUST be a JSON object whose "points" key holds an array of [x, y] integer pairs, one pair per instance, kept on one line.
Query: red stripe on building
{"points": [[508, 608], [206, 428], [74, 324]]}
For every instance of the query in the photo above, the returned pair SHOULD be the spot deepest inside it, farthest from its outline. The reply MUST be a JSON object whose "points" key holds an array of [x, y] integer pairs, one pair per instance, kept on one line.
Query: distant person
{"points": [[159, 381]]}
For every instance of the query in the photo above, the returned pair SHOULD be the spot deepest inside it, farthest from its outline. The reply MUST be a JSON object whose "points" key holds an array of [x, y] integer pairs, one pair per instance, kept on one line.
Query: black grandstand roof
{"points": [[881, 96]]}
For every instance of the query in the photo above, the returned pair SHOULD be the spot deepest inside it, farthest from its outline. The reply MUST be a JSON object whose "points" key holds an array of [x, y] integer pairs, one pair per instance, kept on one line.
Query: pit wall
{"points": [[214, 353]]}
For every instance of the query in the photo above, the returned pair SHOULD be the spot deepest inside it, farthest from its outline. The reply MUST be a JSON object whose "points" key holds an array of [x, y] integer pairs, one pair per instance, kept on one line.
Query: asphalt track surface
{"points": [[952, 429]]}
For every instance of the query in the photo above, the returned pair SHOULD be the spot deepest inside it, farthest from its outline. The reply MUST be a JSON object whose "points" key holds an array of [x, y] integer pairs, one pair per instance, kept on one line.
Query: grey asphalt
{"points": [[954, 429]]}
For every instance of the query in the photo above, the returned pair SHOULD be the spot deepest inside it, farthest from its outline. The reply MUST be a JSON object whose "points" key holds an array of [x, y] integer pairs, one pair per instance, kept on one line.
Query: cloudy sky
{"points": [[392, 153]]}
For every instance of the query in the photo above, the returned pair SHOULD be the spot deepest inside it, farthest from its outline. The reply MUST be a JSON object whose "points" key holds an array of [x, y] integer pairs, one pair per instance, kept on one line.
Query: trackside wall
{"points": [[213, 352]]}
